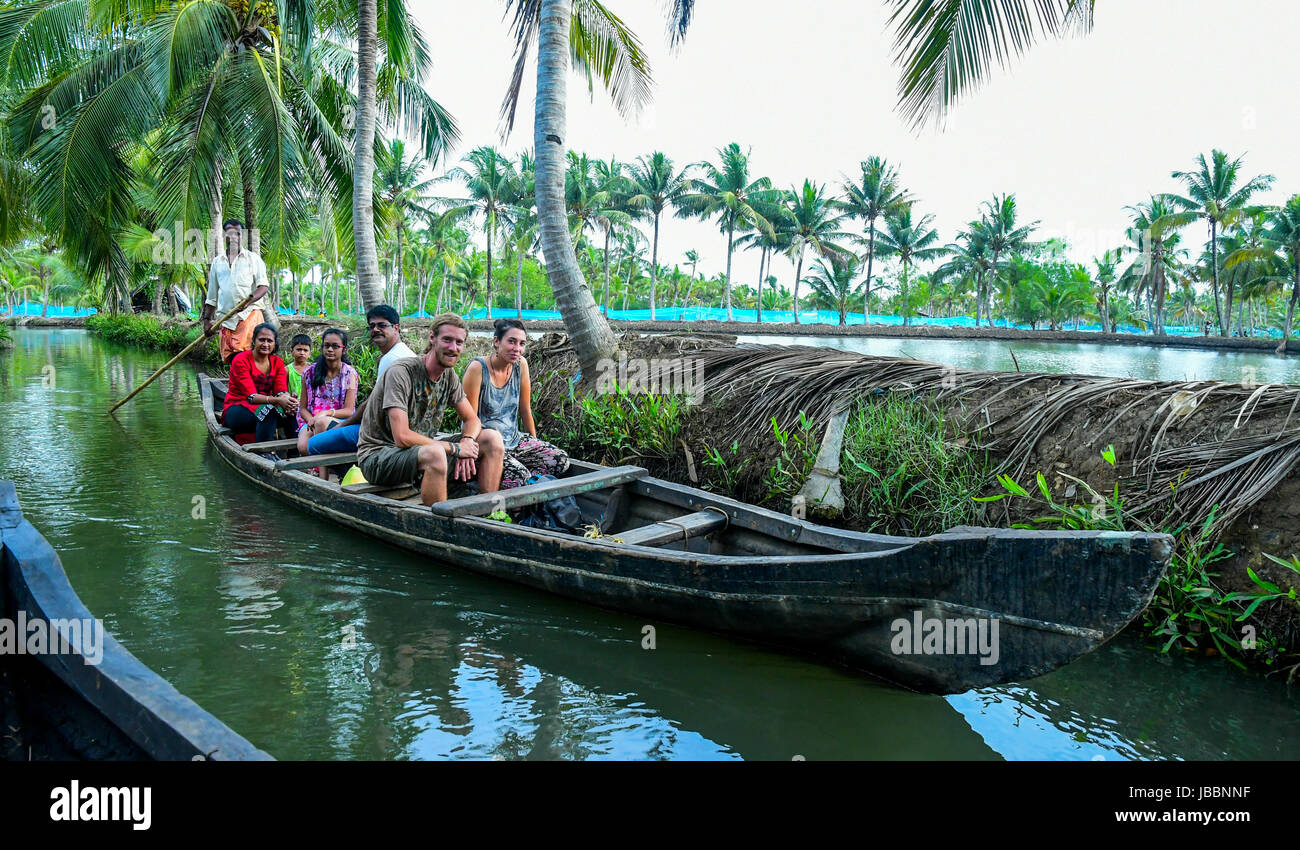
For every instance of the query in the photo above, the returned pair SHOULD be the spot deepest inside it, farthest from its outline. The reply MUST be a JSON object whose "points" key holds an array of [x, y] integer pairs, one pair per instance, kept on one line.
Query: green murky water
{"points": [[249, 608]]}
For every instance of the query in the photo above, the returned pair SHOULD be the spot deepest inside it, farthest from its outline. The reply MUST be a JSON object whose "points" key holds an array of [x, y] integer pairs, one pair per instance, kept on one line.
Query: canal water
{"points": [[318, 643], [1146, 362]]}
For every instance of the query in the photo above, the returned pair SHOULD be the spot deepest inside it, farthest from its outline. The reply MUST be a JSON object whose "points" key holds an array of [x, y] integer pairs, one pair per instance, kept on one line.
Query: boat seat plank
{"points": [[386, 491], [676, 530], [272, 446], [316, 460], [483, 504]]}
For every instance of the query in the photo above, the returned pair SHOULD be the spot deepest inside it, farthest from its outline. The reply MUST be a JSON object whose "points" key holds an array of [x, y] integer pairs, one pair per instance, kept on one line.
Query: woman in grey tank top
{"points": [[500, 390]]}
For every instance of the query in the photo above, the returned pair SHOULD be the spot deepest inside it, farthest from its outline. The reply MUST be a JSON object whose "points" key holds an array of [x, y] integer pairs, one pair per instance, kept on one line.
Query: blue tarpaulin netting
{"points": [[807, 317], [27, 308], [709, 314]]}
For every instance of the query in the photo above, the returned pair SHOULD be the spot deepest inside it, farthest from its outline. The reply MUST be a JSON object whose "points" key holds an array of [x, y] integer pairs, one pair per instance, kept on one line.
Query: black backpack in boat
{"points": [[559, 514]]}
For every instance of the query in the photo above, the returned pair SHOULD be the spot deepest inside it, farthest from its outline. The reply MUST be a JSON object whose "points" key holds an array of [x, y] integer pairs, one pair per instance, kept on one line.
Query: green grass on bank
{"points": [[145, 331], [900, 472]]}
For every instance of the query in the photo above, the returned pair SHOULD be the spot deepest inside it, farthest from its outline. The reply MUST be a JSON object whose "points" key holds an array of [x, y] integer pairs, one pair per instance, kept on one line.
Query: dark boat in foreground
{"points": [[942, 614], [83, 696]]}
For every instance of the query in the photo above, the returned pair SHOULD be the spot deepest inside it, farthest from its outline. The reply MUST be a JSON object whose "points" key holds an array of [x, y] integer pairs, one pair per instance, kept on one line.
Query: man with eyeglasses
{"points": [[233, 274], [385, 333]]}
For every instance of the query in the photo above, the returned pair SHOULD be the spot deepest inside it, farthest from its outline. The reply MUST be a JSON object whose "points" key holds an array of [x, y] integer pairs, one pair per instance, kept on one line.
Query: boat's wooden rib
{"points": [[676, 530], [768, 577], [310, 461], [273, 446], [482, 504], [86, 699]]}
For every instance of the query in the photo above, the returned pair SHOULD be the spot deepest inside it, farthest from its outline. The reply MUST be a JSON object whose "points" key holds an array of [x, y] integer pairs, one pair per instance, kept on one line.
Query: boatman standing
{"points": [[231, 277]]}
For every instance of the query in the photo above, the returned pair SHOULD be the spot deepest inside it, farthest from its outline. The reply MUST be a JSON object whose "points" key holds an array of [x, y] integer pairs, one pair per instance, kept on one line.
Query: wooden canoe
{"points": [[93, 699], [911, 611]]}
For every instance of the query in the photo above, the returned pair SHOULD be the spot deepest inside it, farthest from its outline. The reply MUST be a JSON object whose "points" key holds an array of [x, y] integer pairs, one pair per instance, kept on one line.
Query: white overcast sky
{"points": [[1076, 129]]}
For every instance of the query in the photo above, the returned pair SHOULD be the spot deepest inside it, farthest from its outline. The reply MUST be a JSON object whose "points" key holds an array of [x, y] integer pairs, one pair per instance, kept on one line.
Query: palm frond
{"points": [[947, 48]]}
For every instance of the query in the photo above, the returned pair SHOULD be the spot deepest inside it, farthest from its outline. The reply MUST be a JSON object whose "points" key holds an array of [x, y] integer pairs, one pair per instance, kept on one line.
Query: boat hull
{"points": [[91, 699], [1009, 604]]}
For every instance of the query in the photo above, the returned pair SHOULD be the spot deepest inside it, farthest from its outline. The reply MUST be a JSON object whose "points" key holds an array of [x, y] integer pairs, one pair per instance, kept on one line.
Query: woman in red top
{"points": [[258, 378]]}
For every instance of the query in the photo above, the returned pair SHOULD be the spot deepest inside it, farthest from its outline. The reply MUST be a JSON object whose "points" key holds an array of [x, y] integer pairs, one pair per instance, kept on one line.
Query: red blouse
{"points": [[246, 379]]}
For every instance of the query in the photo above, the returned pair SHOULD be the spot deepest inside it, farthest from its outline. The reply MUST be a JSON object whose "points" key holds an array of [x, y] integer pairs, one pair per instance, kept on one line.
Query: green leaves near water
{"points": [[901, 474]]}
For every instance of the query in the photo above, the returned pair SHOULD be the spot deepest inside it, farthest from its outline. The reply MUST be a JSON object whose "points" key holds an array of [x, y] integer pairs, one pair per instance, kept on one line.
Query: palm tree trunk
{"points": [[519, 288], [369, 285], [731, 229], [45, 291], [798, 273], [631, 270], [592, 338], [762, 261], [1159, 313], [992, 284], [401, 278], [654, 268], [487, 299], [607, 233], [903, 286], [866, 291], [1290, 307]]}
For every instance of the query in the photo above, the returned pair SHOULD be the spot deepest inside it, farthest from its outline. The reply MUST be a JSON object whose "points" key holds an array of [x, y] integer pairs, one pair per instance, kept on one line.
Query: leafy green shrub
{"points": [[797, 452], [628, 427], [1189, 611], [901, 474], [729, 465], [142, 330]]}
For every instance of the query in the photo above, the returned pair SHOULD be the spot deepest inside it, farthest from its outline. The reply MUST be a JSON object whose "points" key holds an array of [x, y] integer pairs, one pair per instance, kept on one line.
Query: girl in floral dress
{"points": [[329, 389]]}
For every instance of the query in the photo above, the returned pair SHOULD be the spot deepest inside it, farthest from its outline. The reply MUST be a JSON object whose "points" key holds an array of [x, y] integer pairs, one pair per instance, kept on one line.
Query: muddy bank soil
{"points": [[1070, 444]]}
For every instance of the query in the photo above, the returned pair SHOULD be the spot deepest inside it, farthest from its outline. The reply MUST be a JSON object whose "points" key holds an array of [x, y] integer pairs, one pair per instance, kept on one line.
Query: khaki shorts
{"points": [[392, 465]]}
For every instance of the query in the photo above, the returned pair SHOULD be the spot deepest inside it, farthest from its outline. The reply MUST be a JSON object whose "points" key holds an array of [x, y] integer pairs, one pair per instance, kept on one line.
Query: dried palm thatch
{"points": [[1187, 446]]}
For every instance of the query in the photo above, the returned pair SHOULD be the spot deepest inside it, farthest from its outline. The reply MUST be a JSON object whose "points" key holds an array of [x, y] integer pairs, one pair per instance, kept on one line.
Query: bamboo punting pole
{"points": [[186, 350]]}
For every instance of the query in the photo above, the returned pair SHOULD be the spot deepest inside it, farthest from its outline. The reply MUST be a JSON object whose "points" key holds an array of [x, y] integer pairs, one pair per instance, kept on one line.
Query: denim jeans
{"points": [[335, 441]]}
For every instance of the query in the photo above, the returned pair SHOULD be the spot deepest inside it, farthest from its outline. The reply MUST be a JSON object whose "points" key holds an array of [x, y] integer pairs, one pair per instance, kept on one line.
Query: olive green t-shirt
{"points": [[406, 384]]}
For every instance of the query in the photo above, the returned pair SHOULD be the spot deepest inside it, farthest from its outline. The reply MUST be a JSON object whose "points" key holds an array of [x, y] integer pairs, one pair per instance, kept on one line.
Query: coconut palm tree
{"points": [[402, 191], [877, 192], [600, 45], [489, 176], [727, 191], [1213, 193], [655, 185], [1105, 279], [395, 91], [1155, 240], [222, 93], [1003, 237], [1280, 249], [814, 221], [1256, 265], [832, 280], [910, 242], [769, 243], [970, 261]]}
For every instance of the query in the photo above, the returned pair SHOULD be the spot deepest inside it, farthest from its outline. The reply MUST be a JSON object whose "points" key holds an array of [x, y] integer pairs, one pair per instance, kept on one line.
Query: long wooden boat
{"points": [[83, 696], [966, 608]]}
